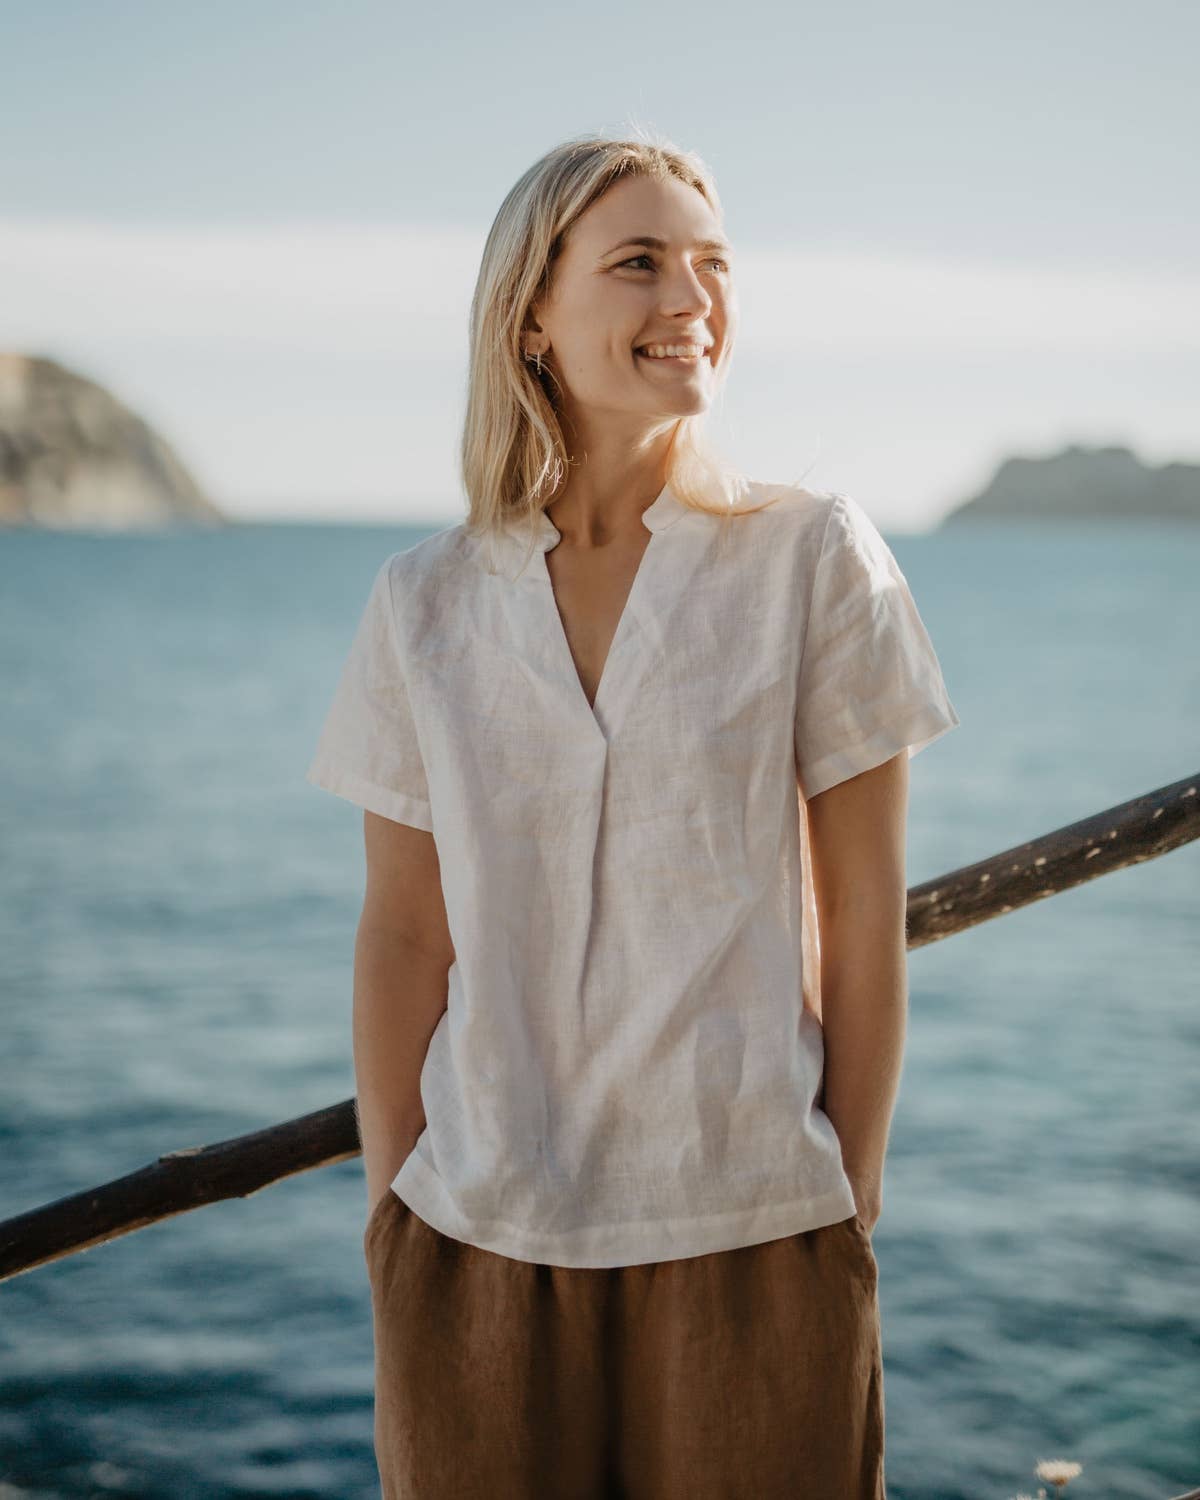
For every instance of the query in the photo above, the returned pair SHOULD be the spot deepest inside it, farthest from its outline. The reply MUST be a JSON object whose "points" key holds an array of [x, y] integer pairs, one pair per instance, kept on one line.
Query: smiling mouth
{"points": [[675, 359]]}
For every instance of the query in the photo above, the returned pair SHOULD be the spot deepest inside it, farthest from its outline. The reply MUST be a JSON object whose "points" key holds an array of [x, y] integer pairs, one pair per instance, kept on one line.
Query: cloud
{"points": [[404, 292], [929, 304], [312, 288]]}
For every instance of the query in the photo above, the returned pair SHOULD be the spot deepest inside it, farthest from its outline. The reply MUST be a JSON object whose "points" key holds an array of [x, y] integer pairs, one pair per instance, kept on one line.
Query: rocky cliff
{"points": [[1104, 483], [72, 456]]}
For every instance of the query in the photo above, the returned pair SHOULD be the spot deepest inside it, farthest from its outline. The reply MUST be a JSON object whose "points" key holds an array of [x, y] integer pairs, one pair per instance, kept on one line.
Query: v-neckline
{"points": [[659, 514], [628, 610]]}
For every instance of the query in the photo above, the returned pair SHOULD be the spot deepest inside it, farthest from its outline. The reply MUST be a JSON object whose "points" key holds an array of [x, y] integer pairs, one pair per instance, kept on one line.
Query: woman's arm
{"points": [[856, 833], [402, 957]]}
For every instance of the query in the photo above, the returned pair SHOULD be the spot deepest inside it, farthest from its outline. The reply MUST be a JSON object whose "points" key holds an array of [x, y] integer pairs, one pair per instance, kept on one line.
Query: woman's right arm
{"points": [[402, 958]]}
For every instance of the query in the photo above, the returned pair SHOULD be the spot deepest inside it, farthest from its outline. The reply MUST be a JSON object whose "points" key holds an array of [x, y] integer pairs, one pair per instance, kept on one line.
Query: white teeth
{"points": [[674, 351]]}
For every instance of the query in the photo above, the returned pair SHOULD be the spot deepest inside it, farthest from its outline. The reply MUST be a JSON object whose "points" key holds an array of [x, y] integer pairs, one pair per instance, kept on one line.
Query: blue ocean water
{"points": [[177, 914]]}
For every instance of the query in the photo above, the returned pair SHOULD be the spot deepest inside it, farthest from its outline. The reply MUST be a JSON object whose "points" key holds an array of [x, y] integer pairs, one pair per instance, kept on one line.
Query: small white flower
{"points": [[1057, 1470]]}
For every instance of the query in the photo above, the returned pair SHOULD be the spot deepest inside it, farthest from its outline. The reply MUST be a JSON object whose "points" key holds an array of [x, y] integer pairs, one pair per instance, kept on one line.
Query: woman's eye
{"points": [[713, 260]]}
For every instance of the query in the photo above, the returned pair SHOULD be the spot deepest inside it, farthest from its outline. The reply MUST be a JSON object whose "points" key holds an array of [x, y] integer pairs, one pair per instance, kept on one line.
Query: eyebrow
{"points": [[654, 243]]}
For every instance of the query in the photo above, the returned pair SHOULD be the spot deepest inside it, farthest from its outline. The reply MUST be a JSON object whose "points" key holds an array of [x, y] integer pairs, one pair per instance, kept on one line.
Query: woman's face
{"points": [[612, 292]]}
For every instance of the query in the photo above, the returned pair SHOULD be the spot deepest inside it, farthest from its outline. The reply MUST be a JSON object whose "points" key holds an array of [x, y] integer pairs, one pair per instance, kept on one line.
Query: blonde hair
{"points": [[514, 454]]}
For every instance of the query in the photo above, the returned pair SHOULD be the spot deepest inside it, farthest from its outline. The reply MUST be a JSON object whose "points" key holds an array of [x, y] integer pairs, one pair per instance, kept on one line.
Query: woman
{"points": [[612, 735]]}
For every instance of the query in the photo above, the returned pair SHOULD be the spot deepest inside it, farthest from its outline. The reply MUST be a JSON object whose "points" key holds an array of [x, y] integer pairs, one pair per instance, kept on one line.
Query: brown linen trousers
{"points": [[745, 1374]]}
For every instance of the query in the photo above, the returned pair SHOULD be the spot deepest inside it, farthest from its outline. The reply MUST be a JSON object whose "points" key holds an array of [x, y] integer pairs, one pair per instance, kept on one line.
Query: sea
{"points": [[177, 917]]}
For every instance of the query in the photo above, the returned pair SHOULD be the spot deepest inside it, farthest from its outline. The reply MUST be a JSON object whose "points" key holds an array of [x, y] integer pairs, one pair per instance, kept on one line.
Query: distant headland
{"points": [[72, 457], [1085, 483]]}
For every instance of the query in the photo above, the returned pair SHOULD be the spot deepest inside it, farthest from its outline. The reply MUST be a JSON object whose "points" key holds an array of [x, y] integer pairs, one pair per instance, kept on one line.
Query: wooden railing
{"points": [[195, 1176]]}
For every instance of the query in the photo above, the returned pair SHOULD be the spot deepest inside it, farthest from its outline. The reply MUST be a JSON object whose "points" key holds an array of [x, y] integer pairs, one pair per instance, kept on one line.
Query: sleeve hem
{"points": [[385, 801], [912, 732]]}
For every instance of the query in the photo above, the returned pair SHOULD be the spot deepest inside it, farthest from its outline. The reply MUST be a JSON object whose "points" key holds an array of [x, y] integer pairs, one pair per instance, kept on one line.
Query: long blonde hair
{"points": [[514, 455]]}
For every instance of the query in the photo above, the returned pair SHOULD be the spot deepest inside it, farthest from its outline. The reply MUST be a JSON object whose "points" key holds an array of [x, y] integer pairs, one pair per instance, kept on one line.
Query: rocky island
{"points": [[1085, 483], [72, 457]]}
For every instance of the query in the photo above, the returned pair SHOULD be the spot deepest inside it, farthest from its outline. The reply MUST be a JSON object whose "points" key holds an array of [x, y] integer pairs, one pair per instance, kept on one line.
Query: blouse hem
{"points": [[610, 1245]]}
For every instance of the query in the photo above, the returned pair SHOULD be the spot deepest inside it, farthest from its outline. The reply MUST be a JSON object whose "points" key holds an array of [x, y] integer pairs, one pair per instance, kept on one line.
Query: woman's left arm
{"points": [[856, 832]]}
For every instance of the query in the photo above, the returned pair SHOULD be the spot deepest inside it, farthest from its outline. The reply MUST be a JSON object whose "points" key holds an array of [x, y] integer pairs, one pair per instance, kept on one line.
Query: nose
{"points": [[685, 293]]}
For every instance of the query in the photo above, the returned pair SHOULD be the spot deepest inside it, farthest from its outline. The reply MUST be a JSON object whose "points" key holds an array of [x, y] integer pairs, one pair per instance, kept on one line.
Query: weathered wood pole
{"points": [[1145, 828]]}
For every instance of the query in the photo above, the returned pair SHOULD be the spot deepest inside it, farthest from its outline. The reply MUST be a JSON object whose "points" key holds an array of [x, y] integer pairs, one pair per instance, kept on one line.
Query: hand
{"points": [[868, 1206]]}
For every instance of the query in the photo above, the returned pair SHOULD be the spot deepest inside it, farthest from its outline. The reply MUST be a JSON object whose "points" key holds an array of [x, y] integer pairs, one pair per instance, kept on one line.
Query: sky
{"points": [[963, 231]]}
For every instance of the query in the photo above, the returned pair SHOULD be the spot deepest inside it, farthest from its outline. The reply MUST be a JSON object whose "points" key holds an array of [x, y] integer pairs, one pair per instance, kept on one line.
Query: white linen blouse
{"points": [[628, 1069]]}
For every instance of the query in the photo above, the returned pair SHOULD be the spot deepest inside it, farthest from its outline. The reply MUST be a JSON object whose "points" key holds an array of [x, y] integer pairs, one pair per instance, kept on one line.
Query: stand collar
{"points": [[665, 509]]}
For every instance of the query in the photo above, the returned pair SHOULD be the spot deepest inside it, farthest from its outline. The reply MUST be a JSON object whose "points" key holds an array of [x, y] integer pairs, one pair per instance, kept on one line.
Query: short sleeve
{"points": [[367, 751], [870, 684]]}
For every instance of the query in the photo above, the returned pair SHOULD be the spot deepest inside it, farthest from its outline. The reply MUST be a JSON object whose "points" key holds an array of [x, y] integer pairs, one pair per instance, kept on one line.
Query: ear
{"points": [[533, 338]]}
